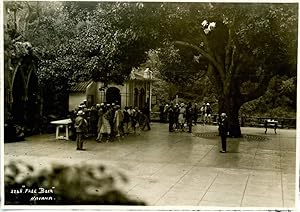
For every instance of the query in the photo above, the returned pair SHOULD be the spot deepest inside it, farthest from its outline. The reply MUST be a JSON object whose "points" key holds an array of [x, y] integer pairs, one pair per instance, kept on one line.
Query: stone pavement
{"points": [[182, 169]]}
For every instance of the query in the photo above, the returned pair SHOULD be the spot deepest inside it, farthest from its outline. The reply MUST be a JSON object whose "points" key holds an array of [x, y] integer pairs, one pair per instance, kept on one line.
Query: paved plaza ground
{"points": [[182, 169]]}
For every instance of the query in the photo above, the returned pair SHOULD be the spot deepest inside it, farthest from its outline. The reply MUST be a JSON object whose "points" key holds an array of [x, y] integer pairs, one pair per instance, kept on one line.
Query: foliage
{"points": [[278, 101], [177, 69], [75, 41], [169, 82], [67, 185], [240, 47], [243, 46], [78, 41], [241, 30]]}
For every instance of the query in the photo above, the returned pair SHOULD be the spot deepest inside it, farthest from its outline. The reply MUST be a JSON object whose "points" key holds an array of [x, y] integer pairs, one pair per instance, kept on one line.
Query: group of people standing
{"points": [[184, 115], [181, 117], [206, 113], [108, 121]]}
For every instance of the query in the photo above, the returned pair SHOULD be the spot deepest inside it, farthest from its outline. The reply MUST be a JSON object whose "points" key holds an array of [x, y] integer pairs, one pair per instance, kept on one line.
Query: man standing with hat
{"points": [[223, 130], [81, 127], [208, 113]]}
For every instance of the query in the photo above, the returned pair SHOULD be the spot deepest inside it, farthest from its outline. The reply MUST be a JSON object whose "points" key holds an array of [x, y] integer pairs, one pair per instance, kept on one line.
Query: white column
{"points": [[67, 132], [57, 131]]}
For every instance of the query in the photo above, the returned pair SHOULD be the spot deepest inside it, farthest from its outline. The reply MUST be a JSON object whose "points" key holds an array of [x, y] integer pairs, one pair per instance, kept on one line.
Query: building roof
{"points": [[139, 75], [80, 86], [135, 75]]}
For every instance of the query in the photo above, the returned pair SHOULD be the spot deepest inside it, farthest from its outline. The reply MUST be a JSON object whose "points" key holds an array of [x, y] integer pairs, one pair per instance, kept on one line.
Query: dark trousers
{"points": [[171, 124], [161, 117], [223, 139], [190, 128], [146, 123], [195, 119], [79, 140], [190, 123]]}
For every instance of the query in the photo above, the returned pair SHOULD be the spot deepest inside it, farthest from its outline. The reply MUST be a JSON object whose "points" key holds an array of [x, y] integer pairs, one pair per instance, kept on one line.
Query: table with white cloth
{"points": [[60, 124]]}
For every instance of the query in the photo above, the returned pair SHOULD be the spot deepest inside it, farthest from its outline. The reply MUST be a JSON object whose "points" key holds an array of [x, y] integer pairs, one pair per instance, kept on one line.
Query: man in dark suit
{"points": [[171, 118], [223, 130], [146, 114]]}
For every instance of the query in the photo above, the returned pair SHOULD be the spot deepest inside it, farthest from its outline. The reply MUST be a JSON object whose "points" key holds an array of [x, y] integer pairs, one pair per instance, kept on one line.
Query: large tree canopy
{"points": [[243, 45], [77, 41], [240, 47]]}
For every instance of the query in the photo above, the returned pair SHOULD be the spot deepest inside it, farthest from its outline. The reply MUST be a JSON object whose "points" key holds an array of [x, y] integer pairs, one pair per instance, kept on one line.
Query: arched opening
{"points": [[18, 103], [142, 97], [33, 105], [113, 95], [136, 97]]}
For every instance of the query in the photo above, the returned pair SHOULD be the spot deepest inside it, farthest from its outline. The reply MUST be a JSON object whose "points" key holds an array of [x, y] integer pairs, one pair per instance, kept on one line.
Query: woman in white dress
{"points": [[181, 117], [105, 127], [118, 119]]}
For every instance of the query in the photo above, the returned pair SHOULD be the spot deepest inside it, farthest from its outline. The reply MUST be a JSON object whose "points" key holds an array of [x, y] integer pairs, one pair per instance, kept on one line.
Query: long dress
{"points": [[118, 119], [100, 115], [105, 128], [181, 118]]}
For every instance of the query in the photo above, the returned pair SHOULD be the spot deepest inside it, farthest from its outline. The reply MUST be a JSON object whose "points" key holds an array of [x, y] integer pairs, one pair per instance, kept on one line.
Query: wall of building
{"points": [[91, 94], [126, 91], [133, 93], [75, 99], [101, 95]]}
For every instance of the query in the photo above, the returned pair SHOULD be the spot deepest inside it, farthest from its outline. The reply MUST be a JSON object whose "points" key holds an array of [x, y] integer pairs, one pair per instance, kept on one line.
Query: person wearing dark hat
{"points": [[223, 130], [81, 128]]}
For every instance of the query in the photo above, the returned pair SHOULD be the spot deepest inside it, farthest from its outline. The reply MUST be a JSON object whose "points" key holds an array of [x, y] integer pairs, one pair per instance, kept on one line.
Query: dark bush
{"points": [[64, 185]]}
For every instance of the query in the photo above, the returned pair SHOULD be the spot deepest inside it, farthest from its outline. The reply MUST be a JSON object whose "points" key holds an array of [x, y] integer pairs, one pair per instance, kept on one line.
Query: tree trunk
{"points": [[231, 107]]}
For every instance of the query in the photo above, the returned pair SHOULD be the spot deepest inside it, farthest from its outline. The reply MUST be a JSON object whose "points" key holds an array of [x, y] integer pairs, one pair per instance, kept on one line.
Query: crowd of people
{"points": [[107, 122], [182, 116]]}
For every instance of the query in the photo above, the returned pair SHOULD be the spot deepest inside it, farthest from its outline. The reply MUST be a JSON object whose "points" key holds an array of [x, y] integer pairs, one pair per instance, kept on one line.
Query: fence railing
{"points": [[245, 121], [253, 121]]}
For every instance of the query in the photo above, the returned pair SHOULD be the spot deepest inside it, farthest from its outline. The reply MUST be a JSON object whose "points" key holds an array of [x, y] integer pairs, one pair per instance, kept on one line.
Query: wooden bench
{"points": [[271, 124]]}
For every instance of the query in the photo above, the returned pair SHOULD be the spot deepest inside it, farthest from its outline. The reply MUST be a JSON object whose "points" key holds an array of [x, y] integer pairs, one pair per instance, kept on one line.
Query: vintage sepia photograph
{"points": [[189, 104]]}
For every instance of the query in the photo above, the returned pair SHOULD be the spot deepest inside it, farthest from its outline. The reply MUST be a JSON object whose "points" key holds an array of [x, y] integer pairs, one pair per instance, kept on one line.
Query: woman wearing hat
{"points": [[105, 126], [118, 119], [81, 128], [181, 117], [101, 112]]}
